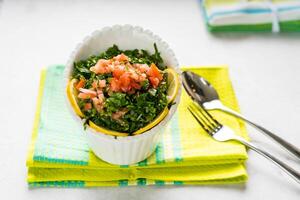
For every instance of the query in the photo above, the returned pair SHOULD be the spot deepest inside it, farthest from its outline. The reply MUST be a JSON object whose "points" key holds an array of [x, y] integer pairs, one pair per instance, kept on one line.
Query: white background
{"points": [[265, 70]]}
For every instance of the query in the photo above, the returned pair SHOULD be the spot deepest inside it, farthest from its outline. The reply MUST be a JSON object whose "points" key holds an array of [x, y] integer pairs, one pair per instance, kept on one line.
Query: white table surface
{"points": [[265, 71]]}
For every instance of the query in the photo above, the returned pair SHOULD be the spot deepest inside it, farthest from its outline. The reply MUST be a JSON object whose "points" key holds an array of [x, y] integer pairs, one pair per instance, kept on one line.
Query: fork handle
{"points": [[290, 171], [216, 104]]}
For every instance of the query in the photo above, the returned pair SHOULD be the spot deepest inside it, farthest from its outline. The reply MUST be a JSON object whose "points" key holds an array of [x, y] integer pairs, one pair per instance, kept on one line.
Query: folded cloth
{"points": [[252, 15], [59, 154]]}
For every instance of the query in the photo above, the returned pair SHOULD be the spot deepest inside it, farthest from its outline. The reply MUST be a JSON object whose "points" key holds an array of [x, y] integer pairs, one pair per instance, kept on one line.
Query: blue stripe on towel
{"points": [[175, 131]]}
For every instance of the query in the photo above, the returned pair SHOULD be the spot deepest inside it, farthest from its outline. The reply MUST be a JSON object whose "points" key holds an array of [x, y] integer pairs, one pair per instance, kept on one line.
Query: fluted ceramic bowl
{"points": [[130, 149]]}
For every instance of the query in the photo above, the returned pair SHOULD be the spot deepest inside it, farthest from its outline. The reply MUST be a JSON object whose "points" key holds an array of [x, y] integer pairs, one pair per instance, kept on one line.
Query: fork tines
{"points": [[204, 118]]}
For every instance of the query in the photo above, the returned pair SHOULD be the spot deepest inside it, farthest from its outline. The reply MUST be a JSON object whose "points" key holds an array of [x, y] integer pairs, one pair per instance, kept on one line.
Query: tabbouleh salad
{"points": [[121, 90]]}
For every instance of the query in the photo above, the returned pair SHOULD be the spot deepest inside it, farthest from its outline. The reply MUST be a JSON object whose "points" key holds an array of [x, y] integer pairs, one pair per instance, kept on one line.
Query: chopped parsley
{"points": [[122, 110]]}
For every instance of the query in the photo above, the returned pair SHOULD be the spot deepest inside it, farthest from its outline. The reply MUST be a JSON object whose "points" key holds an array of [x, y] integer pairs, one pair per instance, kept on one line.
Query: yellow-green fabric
{"points": [[60, 157], [251, 16]]}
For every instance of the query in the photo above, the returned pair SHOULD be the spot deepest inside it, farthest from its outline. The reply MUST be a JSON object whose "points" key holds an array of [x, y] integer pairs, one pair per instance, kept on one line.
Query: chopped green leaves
{"points": [[141, 107], [116, 101]]}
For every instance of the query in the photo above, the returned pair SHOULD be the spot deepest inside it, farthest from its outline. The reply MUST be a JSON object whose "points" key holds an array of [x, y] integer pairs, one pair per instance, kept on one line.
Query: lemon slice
{"points": [[173, 82], [72, 93], [106, 131], [158, 119]]}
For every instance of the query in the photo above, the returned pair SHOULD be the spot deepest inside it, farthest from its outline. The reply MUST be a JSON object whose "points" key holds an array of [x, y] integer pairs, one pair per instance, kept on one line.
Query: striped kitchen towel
{"points": [[59, 155], [252, 15]]}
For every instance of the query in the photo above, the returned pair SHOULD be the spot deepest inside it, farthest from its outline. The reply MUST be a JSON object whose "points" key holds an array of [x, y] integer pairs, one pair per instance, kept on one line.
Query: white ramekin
{"points": [[131, 149]]}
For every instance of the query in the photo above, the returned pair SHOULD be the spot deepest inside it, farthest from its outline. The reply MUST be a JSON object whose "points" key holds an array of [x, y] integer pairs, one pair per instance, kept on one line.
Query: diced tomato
{"points": [[88, 106], [84, 96], [91, 93], [118, 72], [154, 72], [101, 97], [101, 67], [135, 85], [154, 81], [143, 68], [125, 80], [134, 75], [114, 85], [87, 91], [97, 104], [99, 83], [80, 84], [125, 89], [116, 62], [127, 77], [95, 84], [102, 83], [121, 57], [103, 70], [142, 77]]}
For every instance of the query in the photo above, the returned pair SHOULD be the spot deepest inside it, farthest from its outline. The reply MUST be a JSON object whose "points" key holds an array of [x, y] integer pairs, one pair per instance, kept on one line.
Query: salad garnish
{"points": [[121, 90]]}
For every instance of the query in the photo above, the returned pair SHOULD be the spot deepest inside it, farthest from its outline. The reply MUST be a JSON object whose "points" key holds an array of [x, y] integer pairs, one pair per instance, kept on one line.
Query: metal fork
{"points": [[223, 133]]}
